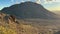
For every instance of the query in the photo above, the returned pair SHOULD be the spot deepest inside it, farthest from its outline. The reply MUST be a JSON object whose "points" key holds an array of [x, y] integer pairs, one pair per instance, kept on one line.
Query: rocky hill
{"points": [[29, 10]]}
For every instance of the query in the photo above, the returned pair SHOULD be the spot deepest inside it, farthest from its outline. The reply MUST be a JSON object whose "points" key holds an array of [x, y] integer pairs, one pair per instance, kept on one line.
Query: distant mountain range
{"points": [[28, 10]]}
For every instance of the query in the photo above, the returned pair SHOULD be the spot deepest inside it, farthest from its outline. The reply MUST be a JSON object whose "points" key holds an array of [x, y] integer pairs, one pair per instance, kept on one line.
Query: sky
{"points": [[53, 5]]}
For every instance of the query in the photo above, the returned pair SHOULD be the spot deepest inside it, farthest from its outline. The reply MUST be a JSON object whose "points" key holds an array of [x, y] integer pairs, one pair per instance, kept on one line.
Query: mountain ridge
{"points": [[29, 10]]}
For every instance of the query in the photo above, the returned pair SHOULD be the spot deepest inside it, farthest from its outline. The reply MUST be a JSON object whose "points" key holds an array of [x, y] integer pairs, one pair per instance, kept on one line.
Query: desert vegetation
{"points": [[11, 25], [4, 30]]}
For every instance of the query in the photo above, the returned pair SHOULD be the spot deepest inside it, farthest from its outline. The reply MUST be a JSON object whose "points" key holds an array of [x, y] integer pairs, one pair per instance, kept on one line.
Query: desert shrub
{"points": [[4, 30]]}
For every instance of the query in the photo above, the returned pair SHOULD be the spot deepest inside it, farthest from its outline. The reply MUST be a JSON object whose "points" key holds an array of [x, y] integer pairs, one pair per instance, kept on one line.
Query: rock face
{"points": [[29, 10]]}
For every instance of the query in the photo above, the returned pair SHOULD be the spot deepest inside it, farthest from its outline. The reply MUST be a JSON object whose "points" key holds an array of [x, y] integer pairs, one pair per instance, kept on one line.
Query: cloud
{"points": [[47, 1], [22, 1], [57, 1], [28, 0], [51, 1], [38, 1]]}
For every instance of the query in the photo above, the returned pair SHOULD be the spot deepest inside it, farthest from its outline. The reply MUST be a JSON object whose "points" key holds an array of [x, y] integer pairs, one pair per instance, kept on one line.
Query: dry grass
{"points": [[4, 30], [11, 27]]}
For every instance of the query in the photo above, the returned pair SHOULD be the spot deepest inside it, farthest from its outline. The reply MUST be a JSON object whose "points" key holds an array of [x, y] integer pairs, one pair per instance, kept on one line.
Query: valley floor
{"points": [[30, 26]]}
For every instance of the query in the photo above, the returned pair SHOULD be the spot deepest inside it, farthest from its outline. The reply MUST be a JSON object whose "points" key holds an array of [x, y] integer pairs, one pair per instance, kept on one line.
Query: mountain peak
{"points": [[29, 10]]}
